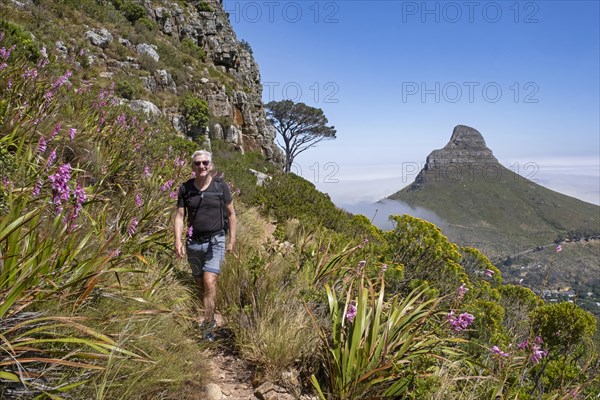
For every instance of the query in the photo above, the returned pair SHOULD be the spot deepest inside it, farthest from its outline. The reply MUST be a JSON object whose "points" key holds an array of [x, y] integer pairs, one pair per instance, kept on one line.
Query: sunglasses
{"points": [[206, 163]]}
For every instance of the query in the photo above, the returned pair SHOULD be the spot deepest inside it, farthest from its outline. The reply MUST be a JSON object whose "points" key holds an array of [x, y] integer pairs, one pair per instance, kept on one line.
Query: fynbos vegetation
{"points": [[93, 305]]}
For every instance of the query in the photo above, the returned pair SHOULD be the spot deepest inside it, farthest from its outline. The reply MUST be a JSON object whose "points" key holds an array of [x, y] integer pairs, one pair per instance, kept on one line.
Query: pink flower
{"points": [[190, 231], [30, 73], [146, 172], [523, 345], [51, 159], [133, 226], [537, 354], [384, 267], [42, 145], [462, 290], [72, 133], [59, 183], [55, 131], [138, 200], [489, 273], [167, 185], [173, 194], [499, 352], [463, 321], [351, 312], [37, 188]]}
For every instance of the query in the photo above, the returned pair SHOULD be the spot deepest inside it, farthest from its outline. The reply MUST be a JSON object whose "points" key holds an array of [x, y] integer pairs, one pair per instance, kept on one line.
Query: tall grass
{"points": [[87, 206]]}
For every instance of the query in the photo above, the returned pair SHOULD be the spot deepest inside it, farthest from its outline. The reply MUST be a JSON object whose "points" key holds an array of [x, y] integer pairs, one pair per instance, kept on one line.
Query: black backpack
{"points": [[189, 191]]}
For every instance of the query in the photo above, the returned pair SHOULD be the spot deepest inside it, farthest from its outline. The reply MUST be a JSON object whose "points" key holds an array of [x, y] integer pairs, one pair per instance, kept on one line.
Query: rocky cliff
{"points": [[162, 50], [465, 146], [465, 154]]}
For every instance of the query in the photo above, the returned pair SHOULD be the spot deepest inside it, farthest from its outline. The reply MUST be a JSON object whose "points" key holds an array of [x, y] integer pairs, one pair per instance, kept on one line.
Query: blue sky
{"points": [[395, 77]]}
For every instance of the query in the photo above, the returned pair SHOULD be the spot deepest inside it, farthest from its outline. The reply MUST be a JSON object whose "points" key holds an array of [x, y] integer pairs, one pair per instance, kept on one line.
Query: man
{"points": [[207, 202]]}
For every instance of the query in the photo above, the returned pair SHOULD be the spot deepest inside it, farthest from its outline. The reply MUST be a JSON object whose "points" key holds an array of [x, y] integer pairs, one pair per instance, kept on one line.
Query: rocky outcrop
{"points": [[228, 77], [239, 111], [99, 37], [465, 155], [466, 146]]}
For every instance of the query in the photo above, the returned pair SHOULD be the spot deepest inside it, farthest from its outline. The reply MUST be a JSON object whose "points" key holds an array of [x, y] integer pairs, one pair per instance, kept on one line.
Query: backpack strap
{"points": [[189, 191], [221, 194]]}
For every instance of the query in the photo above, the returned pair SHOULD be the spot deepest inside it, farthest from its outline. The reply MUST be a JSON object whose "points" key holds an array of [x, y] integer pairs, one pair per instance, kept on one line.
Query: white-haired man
{"points": [[207, 202]]}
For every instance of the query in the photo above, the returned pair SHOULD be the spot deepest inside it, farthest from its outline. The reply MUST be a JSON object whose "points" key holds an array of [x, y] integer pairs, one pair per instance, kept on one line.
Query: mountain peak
{"points": [[465, 137], [466, 146]]}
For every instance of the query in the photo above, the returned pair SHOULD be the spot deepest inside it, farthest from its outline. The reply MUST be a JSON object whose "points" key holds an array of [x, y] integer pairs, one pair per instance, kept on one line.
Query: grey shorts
{"points": [[206, 256]]}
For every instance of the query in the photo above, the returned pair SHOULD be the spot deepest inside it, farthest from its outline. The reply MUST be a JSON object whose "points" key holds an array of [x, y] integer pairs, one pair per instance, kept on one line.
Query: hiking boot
{"points": [[209, 337], [207, 330]]}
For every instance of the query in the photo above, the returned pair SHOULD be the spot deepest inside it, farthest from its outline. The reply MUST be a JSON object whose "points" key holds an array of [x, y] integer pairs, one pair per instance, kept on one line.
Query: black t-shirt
{"points": [[206, 213]]}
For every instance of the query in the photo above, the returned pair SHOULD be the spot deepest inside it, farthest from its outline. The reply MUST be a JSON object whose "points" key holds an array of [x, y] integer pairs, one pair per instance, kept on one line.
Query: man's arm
{"points": [[178, 228], [232, 226]]}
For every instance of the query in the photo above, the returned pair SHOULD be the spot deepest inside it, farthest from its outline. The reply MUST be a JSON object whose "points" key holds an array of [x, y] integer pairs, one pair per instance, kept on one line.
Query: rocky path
{"points": [[232, 376]]}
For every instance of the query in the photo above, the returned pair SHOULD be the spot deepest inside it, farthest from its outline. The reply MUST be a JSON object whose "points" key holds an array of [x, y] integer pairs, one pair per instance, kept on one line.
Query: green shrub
{"points": [[125, 89], [148, 63], [425, 253], [203, 6], [246, 46], [190, 47], [132, 11], [21, 38], [195, 111], [144, 24]]}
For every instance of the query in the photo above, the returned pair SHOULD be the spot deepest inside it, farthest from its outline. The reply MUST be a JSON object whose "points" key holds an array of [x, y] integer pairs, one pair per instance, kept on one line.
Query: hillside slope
{"points": [[488, 206]]}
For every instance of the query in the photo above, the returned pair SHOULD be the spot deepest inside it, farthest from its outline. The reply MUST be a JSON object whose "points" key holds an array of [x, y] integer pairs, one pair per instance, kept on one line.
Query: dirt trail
{"points": [[232, 376]]}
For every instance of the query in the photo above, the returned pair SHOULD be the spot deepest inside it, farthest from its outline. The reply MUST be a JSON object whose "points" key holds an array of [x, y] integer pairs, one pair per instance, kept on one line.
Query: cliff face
{"points": [[463, 156], [168, 49], [466, 146], [243, 108], [212, 31]]}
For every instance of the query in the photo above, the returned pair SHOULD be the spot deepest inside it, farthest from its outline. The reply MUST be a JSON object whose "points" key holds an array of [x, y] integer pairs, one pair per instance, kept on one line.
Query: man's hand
{"points": [[179, 249]]}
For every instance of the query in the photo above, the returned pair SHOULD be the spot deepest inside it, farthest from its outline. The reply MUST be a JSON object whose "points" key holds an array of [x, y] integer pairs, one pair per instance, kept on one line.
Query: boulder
{"points": [[145, 106], [149, 49], [99, 37]]}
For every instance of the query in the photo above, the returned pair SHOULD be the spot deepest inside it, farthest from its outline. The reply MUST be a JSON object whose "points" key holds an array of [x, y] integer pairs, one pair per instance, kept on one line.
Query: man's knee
{"points": [[210, 281]]}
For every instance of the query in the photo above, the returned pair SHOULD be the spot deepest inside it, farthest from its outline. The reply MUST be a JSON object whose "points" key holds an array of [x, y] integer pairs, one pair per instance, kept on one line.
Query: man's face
{"points": [[202, 165]]}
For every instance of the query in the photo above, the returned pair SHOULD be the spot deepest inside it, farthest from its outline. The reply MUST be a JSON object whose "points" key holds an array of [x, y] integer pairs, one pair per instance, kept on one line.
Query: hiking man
{"points": [[207, 202]]}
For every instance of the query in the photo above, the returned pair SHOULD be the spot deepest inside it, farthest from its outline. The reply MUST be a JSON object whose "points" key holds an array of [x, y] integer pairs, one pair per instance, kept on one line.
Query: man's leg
{"points": [[210, 295]]}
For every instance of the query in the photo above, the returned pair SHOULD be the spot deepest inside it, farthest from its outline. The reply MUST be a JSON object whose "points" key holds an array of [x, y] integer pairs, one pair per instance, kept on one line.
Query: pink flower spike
{"points": [[37, 188], [55, 131], [190, 231], [138, 200], [133, 226], [351, 312], [523, 345], [463, 321], [462, 290], [42, 145], [51, 159], [72, 132], [499, 352], [384, 267], [489, 273], [537, 354]]}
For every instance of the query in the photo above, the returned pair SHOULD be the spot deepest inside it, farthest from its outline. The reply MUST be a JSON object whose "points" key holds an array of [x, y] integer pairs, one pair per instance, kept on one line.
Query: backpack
{"points": [[189, 191]]}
